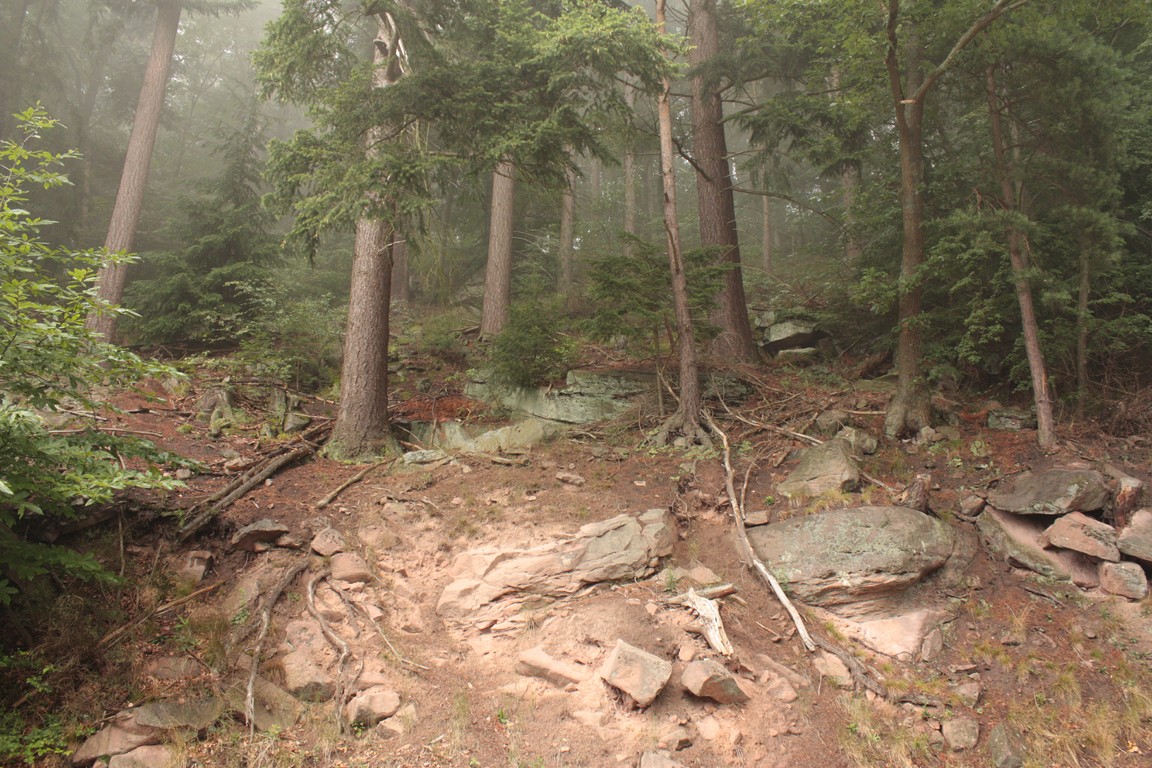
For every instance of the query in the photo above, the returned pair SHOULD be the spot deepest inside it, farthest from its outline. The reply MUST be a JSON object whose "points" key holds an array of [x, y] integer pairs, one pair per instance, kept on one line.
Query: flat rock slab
{"points": [[274, 708], [1081, 533], [153, 756], [854, 562], [536, 662], [1018, 540], [822, 468], [1135, 540], [1052, 492], [123, 735], [170, 714], [709, 680], [488, 583], [637, 673], [259, 532]]}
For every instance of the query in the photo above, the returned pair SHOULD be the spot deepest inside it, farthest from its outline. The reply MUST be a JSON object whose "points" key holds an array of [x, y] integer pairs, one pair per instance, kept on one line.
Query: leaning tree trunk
{"points": [[1010, 192], [130, 197], [361, 428], [715, 204], [686, 419], [498, 274]]}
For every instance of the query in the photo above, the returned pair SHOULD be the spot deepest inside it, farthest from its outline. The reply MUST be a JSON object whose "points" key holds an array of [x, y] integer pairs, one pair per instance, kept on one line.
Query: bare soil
{"points": [[1070, 669]]}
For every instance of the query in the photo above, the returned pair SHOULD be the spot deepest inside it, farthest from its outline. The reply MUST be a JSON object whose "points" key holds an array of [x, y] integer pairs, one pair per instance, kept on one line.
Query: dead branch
{"points": [[773, 428], [713, 629], [745, 545], [349, 482], [519, 461], [336, 642], [709, 593], [265, 622], [243, 485], [118, 633]]}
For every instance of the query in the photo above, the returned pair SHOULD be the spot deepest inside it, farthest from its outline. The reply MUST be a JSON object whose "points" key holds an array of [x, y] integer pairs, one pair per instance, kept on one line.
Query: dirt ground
{"points": [[1071, 669]]}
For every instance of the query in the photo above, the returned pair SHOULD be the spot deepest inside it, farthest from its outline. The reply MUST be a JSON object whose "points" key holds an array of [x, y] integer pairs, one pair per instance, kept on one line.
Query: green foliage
{"points": [[292, 338], [531, 350], [30, 744], [48, 361]]}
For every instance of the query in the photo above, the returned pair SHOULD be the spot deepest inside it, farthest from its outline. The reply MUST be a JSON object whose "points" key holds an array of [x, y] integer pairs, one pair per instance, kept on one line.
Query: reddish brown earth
{"points": [[1079, 660]]}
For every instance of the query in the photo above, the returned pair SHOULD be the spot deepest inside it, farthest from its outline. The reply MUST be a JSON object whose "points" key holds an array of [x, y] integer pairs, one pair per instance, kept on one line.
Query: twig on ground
{"points": [[392, 648], [115, 430], [265, 622], [119, 632], [349, 482], [773, 428]]}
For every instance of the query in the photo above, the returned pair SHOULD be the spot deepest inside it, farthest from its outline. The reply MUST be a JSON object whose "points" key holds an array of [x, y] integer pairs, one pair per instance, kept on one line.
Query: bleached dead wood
{"points": [[713, 629]]}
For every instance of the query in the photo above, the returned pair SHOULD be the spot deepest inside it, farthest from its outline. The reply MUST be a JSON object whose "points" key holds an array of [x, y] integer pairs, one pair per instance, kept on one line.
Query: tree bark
{"points": [[361, 428], [1010, 193], [1084, 292], [10, 45], [568, 238], [766, 234], [630, 170], [714, 199], [498, 274], [686, 419], [401, 271], [130, 196]]}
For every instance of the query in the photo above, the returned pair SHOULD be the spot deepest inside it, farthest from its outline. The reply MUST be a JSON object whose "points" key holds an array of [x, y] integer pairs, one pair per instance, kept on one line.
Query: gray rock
{"points": [[259, 532], [536, 662], [798, 357], [1007, 746], [827, 467], [1018, 540], [370, 706], [961, 733], [425, 457], [853, 561], [296, 422], [487, 583], [1081, 533], [969, 693], [709, 680], [171, 714], [971, 506], [1011, 419], [152, 756], [274, 708], [329, 542], [570, 478], [830, 422], [350, 567], [1135, 539], [637, 673], [1052, 492], [1124, 579], [172, 667], [305, 678], [861, 443], [791, 335]]}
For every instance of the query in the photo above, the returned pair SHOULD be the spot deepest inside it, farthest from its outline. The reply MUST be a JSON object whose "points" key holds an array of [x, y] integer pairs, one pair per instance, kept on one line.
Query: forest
{"points": [[371, 205]]}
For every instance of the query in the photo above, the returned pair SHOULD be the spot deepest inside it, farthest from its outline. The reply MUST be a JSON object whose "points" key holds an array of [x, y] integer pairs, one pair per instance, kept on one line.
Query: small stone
{"points": [[183, 474], [350, 567], [971, 506], [709, 680], [756, 517], [961, 733], [196, 564], [703, 575], [296, 422], [262, 531], [371, 706], [709, 728], [328, 542], [932, 644], [781, 690], [676, 739], [536, 662], [570, 478], [686, 653], [637, 673], [1007, 747], [1125, 579], [651, 759], [969, 693], [832, 669], [172, 667]]}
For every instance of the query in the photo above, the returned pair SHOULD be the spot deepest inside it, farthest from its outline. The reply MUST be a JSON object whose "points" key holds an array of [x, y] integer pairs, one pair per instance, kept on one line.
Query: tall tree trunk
{"points": [[686, 419], [630, 170], [767, 232], [714, 200], [568, 238], [1084, 292], [11, 43], [361, 428], [498, 274], [1010, 193], [401, 271], [130, 197]]}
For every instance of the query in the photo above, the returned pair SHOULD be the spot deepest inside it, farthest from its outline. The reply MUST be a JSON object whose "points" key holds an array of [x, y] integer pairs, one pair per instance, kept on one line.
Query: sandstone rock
{"points": [[675, 738], [305, 679], [172, 667], [756, 517], [378, 538], [709, 680], [329, 542], [1081, 533], [536, 662], [1125, 579], [709, 728], [1126, 499], [651, 759], [1052, 492], [400, 723], [1017, 538], [971, 506], [152, 756], [1007, 746], [171, 714], [961, 733], [779, 689], [350, 567], [853, 561], [487, 583], [124, 734], [827, 467], [370, 706], [1136, 538], [261, 531], [274, 708], [932, 644], [637, 673], [832, 669], [969, 693], [570, 478]]}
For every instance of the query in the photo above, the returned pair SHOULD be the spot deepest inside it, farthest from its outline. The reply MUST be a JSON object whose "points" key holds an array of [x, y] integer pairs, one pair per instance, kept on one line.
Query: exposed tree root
{"points": [[351, 481], [337, 642], [265, 622]]}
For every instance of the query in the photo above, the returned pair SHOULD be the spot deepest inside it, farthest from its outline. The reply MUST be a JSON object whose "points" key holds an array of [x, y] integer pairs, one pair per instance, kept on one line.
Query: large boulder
{"points": [[1019, 540], [822, 468], [636, 672], [488, 583], [1136, 537], [855, 562], [1052, 492]]}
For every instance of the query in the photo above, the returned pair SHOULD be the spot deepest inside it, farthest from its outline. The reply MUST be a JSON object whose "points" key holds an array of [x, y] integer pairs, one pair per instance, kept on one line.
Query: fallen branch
{"points": [[772, 428], [242, 486], [116, 634], [746, 546], [520, 461], [349, 482], [709, 593], [113, 430], [265, 622]]}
